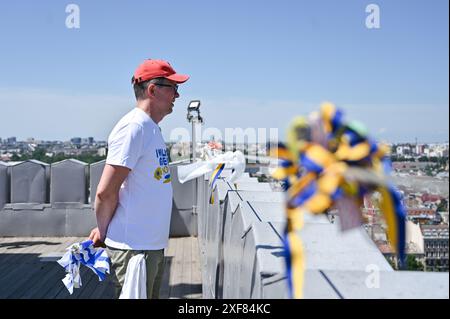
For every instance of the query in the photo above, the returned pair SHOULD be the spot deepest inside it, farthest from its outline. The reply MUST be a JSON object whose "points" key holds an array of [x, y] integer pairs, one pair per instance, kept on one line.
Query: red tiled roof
{"points": [[385, 248]]}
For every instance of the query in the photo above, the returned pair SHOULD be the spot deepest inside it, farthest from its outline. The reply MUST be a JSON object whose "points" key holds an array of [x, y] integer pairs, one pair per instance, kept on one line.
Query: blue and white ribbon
{"points": [[83, 253]]}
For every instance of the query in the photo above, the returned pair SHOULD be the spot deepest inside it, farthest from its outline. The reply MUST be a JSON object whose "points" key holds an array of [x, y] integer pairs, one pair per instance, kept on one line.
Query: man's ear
{"points": [[151, 90]]}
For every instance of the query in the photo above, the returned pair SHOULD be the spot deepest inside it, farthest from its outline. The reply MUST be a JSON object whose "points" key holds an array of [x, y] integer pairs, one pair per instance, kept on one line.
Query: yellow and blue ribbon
{"points": [[294, 253], [314, 176], [395, 216], [212, 181]]}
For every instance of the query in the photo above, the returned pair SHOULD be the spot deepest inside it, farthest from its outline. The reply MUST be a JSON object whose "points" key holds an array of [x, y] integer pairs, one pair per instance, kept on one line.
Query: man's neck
{"points": [[145, 106]]}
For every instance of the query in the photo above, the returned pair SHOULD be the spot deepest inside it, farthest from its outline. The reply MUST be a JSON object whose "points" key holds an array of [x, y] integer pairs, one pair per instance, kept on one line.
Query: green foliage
{"points": [[443, 206], [413, 264], [391, 262], [395, 158]]}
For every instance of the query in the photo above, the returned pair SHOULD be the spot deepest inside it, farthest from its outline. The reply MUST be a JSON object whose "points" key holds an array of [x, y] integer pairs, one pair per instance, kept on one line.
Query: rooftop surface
{"points": [[24, 274], [230, 248]]}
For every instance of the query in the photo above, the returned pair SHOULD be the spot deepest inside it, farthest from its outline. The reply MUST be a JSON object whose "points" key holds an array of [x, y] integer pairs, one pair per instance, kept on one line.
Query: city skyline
{"points": [[37, 139]]}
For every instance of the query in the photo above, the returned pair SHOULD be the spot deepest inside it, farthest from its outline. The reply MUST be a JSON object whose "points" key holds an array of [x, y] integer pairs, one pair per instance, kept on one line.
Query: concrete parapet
{"points": [[68, 182], [28, 207]]}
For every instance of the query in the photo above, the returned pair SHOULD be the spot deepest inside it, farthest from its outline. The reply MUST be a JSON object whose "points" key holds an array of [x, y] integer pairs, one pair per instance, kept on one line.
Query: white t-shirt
{"points": [[142, 217]]}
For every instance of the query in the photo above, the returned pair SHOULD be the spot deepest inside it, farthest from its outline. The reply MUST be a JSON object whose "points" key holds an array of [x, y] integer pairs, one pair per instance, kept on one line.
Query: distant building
{"points": [[436, 247], [89, 141], [378, 233], [430, 198], [403, 150], [387, 251], [11, 140], [409, 166], [421, 215], [424, 215], [412, 200], [414, 239], [5, 157], [420, 149], [76, 141], [102, 151]]}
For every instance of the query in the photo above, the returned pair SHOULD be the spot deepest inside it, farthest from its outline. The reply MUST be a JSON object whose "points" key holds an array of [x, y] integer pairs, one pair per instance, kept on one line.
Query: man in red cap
{"points": [[133, 203]]}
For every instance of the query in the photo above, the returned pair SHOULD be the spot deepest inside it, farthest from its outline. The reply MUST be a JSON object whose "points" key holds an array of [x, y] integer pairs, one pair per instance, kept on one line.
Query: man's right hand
{"points": [[95, 237]]}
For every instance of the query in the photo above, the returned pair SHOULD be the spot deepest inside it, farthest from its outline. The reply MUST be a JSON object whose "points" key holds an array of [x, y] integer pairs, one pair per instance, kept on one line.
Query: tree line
{"points": [[40, 155]]}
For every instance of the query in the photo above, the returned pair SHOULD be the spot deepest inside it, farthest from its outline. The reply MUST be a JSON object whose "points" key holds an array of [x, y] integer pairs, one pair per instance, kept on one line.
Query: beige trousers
{"points": [[154, 262]]}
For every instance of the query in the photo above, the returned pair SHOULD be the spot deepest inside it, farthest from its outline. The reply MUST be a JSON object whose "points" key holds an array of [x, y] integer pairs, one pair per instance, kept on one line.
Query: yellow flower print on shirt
{"points": [[161, 172], [158, 173]]}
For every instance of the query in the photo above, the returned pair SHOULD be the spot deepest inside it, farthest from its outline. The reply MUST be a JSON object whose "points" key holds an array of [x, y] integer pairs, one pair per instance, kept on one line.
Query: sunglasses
{"points": [[175, 87]]}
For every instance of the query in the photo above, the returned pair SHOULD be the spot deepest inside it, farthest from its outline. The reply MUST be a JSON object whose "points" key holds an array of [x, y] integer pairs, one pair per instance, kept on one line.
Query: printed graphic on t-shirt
{"points": [[162, 172]]}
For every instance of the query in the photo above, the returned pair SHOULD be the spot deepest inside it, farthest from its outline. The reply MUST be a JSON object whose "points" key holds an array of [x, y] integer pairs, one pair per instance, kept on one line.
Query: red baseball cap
{"points": [[151, 69]]}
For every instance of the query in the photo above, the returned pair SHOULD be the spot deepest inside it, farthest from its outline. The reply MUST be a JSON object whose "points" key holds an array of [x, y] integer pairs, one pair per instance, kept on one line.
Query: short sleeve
{"points": [[126, 146]]}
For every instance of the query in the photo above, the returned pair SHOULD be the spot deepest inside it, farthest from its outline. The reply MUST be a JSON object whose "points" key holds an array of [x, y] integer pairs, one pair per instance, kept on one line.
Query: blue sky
{"points": [[252, 64]]}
